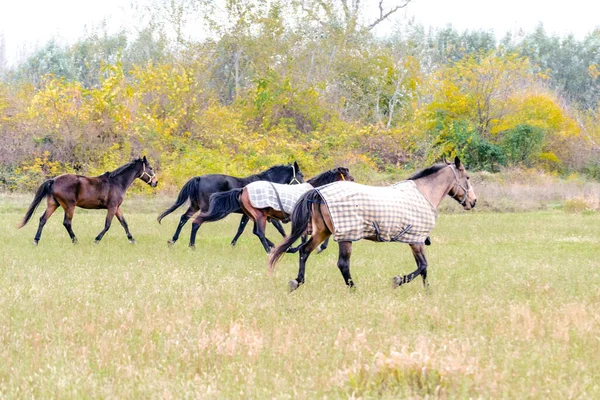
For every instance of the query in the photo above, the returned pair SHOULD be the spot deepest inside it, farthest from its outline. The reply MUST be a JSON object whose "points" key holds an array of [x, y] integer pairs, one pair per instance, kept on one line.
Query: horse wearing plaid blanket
{"points": [[262, 200], [386, 216]]}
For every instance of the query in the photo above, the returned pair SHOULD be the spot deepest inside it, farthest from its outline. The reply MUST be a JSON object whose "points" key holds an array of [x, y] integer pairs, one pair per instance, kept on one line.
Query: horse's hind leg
{"points": [[241, 228], [109, 216], [305, 251], [69, 211], [51, 206], [304, 240], [344, 262], [278, 226], [419, 254], [260, 223], [198, 221], [323, 246], [121, 218], [192, 209]]}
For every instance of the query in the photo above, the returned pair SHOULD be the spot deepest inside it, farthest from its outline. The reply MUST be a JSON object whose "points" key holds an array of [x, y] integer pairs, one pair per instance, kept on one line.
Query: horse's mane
{"points": [[271, 171], [122, 168], [327, 176], [426, 172]]}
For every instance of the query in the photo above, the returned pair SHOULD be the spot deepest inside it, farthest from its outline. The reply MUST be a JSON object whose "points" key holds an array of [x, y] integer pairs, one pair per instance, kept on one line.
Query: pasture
{"points": [[513, 311]]}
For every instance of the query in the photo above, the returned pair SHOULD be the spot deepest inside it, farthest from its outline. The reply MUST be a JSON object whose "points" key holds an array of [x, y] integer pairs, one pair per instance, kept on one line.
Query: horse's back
{"points": [[394, 213], [265, 194], [212, 183], [84, 191]]}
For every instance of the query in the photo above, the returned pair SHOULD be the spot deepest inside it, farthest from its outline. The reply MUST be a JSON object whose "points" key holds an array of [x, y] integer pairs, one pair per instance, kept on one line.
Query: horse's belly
{"points": [[92, 204]]}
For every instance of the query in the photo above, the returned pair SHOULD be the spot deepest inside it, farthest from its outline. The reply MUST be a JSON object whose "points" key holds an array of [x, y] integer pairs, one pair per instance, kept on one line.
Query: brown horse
{"points": [[101, 192], [270, 207], [430, 186]]}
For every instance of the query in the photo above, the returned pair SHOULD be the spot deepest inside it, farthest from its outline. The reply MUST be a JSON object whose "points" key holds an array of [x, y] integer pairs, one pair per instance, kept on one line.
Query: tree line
{"points": [[307, 80]]}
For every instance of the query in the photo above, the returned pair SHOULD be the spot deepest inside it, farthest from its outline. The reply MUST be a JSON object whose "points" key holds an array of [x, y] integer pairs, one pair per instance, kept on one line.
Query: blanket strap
{"points": [[285, 215]]}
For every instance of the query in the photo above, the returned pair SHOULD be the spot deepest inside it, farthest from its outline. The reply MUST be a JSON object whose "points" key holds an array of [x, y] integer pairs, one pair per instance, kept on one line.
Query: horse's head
{"points": [[343, 174], [462, 190], [147, 174], [297, 175]]}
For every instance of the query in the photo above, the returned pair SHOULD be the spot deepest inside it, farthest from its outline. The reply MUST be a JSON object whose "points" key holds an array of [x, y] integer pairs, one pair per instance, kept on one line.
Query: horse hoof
{"points": [[132, 241], [74, 240], [233, 244], [397, 281], [97, 241], [35, 242], [293, 285], [320, 249], [192, 247], [170, 243]]}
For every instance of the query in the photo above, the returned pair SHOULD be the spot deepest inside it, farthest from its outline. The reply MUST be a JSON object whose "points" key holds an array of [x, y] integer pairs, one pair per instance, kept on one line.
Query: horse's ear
{"points": [[457, 161], [144, 159], [296, 165]]}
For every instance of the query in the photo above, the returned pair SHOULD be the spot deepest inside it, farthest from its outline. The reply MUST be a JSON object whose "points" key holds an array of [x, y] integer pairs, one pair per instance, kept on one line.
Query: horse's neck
{"points": [[436, 186], [126, 178], [249, 179]]}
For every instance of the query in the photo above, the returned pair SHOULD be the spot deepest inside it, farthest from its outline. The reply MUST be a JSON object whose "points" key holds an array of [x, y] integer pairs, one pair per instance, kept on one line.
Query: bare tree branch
{"points": [[346, 9], [384, 14]]}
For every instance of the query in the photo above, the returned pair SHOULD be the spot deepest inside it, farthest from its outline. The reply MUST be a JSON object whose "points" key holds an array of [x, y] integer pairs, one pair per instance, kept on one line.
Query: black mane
{"points": [[323, 178], [122, 168], [273, 171], [427, 171]]}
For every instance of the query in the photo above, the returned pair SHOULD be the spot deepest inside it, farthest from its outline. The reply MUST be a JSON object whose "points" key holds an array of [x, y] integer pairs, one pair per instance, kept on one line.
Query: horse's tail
{"points": [[44, 190], [301, 216], [222, 204], [188, 191]]}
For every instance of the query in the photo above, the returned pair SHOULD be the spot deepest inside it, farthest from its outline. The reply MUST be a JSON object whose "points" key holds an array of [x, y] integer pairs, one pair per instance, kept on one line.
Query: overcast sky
{"points": [[28, 24]]}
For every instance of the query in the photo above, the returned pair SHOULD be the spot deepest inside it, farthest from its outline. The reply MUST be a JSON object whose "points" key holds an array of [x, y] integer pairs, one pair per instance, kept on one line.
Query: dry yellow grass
{"points": [[513, 312]]}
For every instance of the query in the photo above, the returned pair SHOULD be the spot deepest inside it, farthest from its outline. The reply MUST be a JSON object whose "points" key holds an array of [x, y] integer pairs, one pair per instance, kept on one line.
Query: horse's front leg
{"points": [[121, 218], [419, 254], [110, 213]]}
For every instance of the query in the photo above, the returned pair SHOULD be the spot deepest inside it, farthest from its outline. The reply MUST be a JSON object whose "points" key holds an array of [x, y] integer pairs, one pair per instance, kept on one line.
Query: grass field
{"points": [[513, 311]]}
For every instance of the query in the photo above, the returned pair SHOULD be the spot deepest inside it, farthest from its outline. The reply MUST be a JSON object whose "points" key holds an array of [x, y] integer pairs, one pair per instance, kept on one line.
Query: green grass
{"points": [[513, 311]]}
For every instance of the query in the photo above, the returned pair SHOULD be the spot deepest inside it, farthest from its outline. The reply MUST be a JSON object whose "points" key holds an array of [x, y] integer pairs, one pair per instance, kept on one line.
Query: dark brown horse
{"points": [[223, 204], [101, 192], [433, 183], [197, 191]]}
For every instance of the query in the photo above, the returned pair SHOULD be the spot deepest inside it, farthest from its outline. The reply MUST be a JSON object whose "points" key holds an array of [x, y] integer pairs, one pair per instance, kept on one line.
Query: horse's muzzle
{"points": [[154, 182], [470, 204]]}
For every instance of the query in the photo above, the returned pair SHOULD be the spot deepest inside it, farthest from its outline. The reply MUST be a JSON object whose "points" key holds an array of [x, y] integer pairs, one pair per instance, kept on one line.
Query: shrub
{"points": [[576, 205], [522, 144]]}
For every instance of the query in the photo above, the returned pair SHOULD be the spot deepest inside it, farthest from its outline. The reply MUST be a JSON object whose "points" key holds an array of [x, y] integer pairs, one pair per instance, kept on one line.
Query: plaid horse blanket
{"points": [[262, 195], [397, 213]]}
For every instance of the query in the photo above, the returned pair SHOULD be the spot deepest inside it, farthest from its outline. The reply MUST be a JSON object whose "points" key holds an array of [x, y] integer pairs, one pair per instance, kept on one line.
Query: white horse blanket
{"points": [[262, 195], [397, 213]]}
